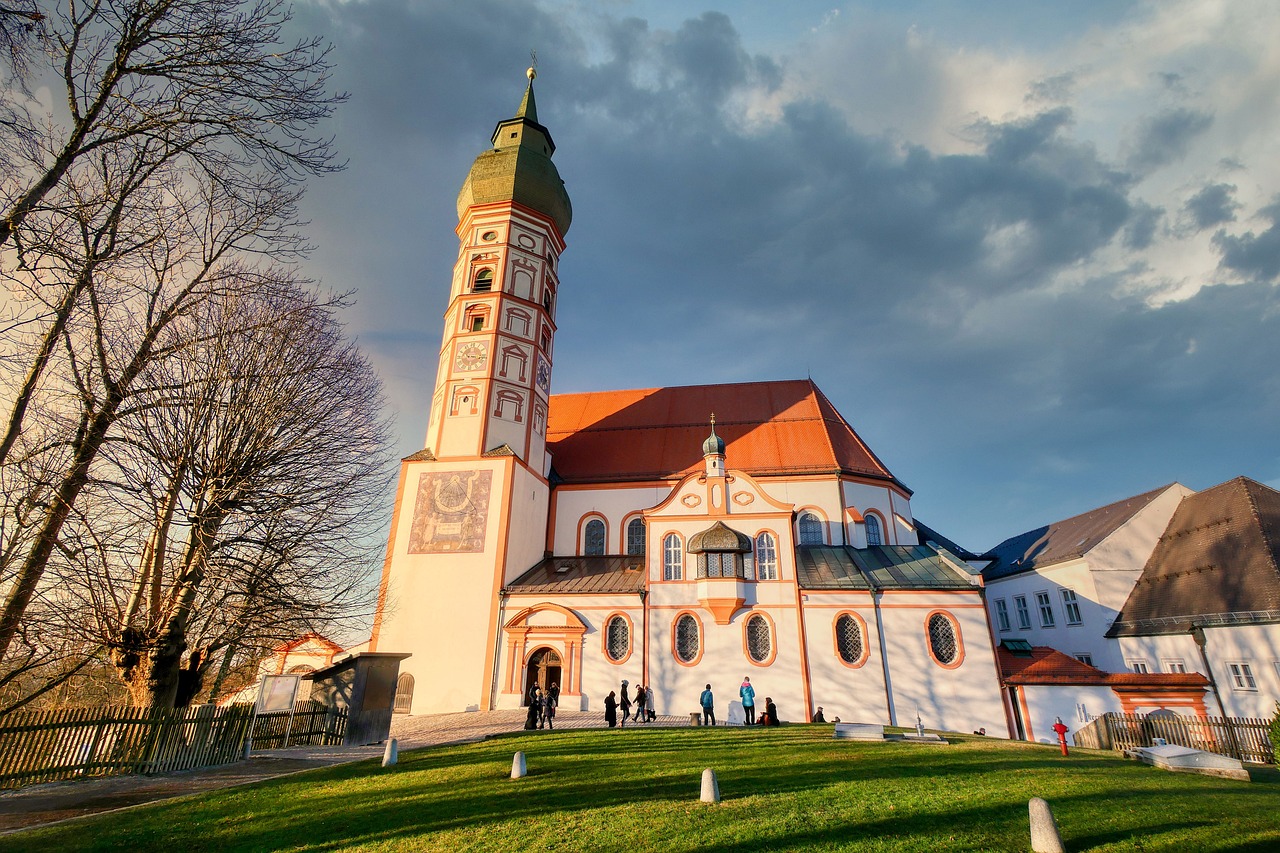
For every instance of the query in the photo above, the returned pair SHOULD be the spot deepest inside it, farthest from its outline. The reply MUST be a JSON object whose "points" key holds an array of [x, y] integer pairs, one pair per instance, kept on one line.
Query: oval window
{"points": [[687, 638], [849, 639], [489, 235], [618, 635], [759, 639], [942, 639]]}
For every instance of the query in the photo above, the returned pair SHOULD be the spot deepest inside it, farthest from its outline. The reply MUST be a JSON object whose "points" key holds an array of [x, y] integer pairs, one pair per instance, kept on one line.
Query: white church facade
{"points": [[670, 536]]}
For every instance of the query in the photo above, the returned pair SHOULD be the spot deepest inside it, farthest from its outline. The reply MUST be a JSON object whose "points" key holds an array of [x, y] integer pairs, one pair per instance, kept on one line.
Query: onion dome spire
{"points": [[714, 445]]}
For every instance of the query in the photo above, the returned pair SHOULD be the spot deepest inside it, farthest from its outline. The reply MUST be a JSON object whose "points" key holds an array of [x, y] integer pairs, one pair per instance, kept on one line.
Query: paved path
{"points": [[39, 805]]}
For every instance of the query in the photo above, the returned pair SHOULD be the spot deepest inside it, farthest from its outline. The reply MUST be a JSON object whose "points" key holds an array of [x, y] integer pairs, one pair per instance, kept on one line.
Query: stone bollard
{"points": [[1045, 837], [518, 770], [710, 787], [391, 754]]}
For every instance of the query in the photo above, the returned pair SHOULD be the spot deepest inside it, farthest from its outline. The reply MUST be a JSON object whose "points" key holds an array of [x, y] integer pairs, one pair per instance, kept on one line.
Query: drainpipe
{"points": [[644, 638], [884, 657], [497, 647], [1197, 634]]}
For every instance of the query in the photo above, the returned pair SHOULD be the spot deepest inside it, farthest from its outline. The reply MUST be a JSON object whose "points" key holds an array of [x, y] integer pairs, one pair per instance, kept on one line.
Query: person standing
{"points": [[548, 710], [531, 719], [708, 703], [640, 712], [611, 709], [648, 704], [624, 703], [748, 695]]}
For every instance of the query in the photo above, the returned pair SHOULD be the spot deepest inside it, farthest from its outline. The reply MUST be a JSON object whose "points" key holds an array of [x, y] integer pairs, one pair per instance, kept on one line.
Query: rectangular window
{"points": [[1085, 657], [1173, 665], [1242, 676], [1072, 605], [1024, 615], [1002, 614], [1139, 666], [1046, 609]]}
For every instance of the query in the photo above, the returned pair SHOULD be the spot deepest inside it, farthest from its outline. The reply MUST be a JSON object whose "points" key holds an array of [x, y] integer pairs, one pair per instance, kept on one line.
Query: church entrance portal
{"points": [[543, 670]]}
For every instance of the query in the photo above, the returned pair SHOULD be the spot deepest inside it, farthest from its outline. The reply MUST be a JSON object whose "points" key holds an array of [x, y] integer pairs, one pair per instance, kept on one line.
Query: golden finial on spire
{"points": [[533, 66], [713, 421]]}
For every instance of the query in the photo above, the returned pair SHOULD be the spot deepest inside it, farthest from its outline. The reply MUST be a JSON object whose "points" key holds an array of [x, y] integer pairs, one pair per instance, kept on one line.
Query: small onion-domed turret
{"points": [[714, 445]]}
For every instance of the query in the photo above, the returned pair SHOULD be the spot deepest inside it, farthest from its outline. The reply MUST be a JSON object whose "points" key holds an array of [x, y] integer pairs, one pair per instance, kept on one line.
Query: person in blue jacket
{"points": [[708, 702], [748, 694]]}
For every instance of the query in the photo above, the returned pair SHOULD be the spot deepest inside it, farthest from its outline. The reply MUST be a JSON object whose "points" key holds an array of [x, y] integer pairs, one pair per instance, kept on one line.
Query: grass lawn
{"points": [[793, 788]]}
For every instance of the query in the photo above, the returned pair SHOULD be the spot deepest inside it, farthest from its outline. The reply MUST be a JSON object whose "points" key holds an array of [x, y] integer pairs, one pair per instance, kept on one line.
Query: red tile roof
{"points": [[771, 428], [1048, 666]]}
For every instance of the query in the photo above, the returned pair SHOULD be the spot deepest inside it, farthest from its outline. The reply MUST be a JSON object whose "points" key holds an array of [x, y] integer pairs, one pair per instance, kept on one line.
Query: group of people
{"points": [[542, 706], [642, 701], [747, 694]]}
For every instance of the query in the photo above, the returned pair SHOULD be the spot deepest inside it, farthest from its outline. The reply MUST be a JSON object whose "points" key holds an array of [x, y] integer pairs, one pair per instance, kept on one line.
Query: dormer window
{"points": [[483, 281]]}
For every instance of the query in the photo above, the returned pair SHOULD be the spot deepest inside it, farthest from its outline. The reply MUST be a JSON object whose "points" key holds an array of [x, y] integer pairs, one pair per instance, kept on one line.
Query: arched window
{"points": [[810, 529], [617, 638], [849, 640], [635, 537], [404, 694], [672, 558], [942, 639], [483, 282], [766, 558], [687, 639], [593, 538], [874, 537], [759, 639]]}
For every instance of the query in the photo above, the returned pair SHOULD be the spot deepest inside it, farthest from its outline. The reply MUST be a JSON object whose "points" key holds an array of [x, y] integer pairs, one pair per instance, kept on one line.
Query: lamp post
{"points": [[1197, 634]]}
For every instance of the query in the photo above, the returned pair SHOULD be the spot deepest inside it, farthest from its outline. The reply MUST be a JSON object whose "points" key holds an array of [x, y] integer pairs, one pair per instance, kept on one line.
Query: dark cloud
{"points": [[934, 297], [1141, 230], [1251, 254], [1164, 138], [1213, 205]]}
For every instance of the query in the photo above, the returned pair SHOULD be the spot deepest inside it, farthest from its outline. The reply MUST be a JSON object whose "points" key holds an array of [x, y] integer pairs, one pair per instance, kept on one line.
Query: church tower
{"points": [[495, 361], [471, 507]]}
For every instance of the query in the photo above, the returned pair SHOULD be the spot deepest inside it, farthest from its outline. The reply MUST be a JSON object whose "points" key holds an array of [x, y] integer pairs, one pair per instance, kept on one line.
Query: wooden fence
{"points": [[1237, 737], [47, 746], [314, 724]]}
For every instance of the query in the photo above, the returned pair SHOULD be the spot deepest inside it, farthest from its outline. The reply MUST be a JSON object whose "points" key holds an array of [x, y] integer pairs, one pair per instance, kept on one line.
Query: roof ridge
{"points": [[1269, 546]]}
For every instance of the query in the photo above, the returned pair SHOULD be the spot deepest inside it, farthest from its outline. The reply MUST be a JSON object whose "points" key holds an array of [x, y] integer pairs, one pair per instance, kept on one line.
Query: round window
{"points": [[489, 235]]}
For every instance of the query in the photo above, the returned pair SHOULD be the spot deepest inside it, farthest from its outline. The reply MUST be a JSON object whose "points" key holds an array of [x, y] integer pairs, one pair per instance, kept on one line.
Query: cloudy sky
{"points": [[1029, 249]]}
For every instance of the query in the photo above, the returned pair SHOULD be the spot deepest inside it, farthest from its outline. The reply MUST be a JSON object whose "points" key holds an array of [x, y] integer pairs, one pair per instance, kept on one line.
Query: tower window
{"points": [[483, 282], [874, 536], [635, 537], [477, 324], [810, 529], [593, 538]]}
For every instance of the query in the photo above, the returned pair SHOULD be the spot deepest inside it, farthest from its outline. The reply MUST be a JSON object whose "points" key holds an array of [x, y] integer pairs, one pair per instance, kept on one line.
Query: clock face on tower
{"points": [[471, 356], [544, 375]]}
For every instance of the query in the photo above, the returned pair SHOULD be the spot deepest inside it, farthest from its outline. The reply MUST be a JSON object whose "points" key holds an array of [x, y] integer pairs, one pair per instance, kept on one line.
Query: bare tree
{"points": [[196, 232], [258, 457], [209, 79]]}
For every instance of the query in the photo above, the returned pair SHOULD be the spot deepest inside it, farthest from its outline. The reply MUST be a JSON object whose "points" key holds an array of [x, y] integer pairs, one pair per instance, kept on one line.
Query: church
{"points": [[672, 537]]}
